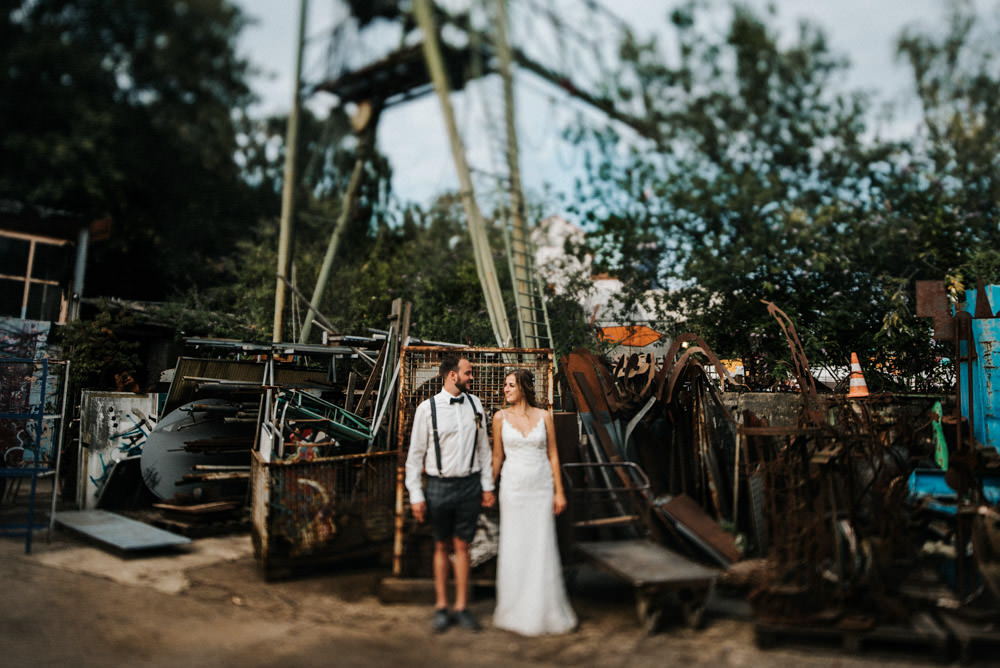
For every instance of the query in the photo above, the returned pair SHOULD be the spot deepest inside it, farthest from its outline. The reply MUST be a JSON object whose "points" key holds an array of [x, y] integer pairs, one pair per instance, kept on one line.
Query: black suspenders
{"points": [[437, 439]]}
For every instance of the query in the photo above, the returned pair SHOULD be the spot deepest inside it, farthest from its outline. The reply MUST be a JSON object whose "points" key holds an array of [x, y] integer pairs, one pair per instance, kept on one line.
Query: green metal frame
{"points": [[341, 422]]}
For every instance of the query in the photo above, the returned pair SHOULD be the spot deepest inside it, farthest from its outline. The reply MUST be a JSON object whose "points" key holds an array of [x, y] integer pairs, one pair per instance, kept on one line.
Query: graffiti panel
{"points": [[113, 426], [26, 339], [31, 393]]}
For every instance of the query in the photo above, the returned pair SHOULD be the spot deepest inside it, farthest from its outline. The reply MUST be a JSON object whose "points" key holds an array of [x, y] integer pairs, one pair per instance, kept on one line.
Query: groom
{"points": [[449, 442]]}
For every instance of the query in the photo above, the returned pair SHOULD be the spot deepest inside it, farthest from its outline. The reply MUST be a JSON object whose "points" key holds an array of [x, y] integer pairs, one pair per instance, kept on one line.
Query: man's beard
{"points": [[462, 387]]}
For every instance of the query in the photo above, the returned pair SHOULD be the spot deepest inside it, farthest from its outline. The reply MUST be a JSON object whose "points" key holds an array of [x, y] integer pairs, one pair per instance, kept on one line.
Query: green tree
{"points": [[129, 109], [763, 184], [327, 152], [426, 260], [955, 193], [99, 349]]}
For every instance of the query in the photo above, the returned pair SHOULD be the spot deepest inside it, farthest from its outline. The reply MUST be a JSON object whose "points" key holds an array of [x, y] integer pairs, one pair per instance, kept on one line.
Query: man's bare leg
{"points": [[462, 568], [441, 574]]}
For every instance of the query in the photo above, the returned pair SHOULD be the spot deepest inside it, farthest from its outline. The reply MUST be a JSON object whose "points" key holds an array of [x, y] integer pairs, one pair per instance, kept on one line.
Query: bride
{"points": [[531, 596]]}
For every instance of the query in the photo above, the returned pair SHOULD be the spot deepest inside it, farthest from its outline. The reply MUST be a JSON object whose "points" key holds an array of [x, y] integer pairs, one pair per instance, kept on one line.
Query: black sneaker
{"points": [[440, 621], [465, 619]]}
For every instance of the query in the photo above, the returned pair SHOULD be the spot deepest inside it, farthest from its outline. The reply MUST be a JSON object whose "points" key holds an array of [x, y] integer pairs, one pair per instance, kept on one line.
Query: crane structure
{"points": [[478, 44]]}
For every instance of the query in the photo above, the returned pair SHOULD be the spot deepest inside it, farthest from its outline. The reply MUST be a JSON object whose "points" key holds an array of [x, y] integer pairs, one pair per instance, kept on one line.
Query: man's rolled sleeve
{"points": [[419, 437], [485, 455]]}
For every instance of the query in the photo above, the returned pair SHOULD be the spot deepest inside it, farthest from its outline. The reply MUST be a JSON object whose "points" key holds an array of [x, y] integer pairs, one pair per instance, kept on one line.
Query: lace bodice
{"points": [[526, 465]]}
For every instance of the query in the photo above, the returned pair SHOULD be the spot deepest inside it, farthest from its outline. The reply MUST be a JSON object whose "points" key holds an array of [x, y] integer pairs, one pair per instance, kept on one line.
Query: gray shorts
{"points": [[453, 505]]}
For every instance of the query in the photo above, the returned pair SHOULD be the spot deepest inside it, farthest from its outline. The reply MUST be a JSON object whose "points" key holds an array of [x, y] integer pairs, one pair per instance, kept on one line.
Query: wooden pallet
{"points": [[974, 639], [203, 528], [922, 635]]}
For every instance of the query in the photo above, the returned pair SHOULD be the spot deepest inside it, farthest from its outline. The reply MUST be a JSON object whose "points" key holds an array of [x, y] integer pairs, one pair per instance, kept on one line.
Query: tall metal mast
{"points": [[477, 228], [288, 185]]}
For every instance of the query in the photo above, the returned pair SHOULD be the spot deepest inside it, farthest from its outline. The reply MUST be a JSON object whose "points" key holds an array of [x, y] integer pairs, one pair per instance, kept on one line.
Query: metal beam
{"points": [[288, 185], [477, 228]]}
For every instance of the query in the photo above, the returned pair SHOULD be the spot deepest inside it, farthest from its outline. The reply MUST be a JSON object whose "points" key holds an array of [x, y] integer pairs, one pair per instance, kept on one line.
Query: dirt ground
{"points": [[69, 603]]}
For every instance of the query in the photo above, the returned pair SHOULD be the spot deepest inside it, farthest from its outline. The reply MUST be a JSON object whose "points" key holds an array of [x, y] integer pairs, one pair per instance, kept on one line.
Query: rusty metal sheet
{"points": [[687, 514], [932, 299], [932, 302]]}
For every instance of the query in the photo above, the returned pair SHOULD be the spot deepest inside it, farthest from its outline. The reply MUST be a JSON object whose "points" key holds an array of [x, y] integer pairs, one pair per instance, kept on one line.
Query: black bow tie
{"points": [[456, 400]]}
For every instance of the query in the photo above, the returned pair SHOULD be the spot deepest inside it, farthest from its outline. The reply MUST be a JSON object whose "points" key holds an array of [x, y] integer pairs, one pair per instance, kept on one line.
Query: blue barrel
{"points": [[985, 370]]}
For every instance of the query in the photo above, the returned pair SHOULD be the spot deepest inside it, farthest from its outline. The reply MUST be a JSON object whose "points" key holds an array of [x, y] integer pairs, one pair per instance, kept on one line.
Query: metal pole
{"points": [[288, 186], [59, 447], [477, 228], [79, 270], [522, 282], [331, 250]]}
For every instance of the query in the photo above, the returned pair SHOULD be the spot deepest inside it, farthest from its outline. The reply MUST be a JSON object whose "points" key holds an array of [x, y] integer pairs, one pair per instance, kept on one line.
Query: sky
{"points": [[412, 134]]}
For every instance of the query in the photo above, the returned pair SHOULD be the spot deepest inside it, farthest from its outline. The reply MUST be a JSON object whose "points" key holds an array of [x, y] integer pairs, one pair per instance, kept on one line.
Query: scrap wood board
{"points": [[686, 512], [921, 635], [644, 563], [974, 639]]}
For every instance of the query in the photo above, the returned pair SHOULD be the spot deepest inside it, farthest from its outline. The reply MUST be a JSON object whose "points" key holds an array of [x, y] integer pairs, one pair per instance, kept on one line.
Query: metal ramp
{"points": [[119, 532]]}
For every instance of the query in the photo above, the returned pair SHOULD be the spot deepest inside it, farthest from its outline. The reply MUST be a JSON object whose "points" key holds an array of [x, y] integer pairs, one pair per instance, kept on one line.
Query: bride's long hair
{"points": [[525, 382]]}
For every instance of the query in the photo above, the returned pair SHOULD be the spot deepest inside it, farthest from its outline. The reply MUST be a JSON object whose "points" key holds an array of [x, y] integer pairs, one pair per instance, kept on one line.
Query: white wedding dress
{"points": [[531, 595]]}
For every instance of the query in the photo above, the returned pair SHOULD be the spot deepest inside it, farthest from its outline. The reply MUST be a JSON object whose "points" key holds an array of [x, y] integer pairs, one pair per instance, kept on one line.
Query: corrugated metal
{"points": [[182, 390]]}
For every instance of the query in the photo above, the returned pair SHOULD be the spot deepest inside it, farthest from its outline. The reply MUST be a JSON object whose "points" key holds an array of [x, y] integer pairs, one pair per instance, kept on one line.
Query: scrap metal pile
{"points": [[822, 507]]}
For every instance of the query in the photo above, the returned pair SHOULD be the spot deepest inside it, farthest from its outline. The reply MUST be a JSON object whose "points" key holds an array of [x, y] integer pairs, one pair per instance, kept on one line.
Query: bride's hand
{"points": [[558, 503]]}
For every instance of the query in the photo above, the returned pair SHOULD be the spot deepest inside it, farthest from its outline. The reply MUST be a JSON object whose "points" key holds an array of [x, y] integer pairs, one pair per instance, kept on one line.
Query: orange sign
{"points": [[632, 335]]}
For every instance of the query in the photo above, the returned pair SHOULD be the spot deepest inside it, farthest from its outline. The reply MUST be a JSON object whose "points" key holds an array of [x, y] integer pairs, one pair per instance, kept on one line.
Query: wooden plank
{"points": [[974, 639], [683, 510], [645, 563], [216, 476], [606, 521], [372, 378], [921, 635], [352, 382], [198, 508]]}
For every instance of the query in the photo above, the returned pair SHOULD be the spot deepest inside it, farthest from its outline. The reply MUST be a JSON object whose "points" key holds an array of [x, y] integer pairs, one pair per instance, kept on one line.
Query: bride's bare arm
{"points": [[497, 444], [559, 496]]}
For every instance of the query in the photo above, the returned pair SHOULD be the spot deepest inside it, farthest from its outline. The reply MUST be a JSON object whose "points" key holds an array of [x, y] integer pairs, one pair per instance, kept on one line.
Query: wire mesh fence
{"points": [[323, 509], [419, 380]]}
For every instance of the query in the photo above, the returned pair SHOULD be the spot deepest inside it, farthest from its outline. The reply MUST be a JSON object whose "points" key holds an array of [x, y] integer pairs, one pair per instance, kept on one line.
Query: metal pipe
{"points": [[288, 185], [331, 249], [62, 431], [79, 270]]}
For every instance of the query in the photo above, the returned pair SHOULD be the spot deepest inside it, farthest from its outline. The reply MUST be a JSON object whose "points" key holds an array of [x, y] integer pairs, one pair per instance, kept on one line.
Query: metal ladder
{"points": [[533, 325]]}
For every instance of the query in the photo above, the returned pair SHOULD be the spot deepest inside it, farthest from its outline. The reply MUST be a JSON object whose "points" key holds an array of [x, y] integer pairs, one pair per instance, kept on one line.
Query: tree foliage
{"points": [[100, 349], [765, 183], [425, 259], [138, 110], [956, 79], [129, 109]]}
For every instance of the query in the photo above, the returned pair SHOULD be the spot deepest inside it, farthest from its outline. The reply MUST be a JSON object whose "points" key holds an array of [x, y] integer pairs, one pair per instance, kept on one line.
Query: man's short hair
{"points": [[449, 363]]}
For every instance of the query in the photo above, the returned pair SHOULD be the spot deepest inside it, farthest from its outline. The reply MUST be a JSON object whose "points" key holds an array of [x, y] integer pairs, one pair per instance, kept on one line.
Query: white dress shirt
{"points": [[456, 431]]}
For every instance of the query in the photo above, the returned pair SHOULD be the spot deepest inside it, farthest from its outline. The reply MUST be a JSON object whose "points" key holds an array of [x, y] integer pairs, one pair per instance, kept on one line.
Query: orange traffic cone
{"points": [[858, 386]]}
